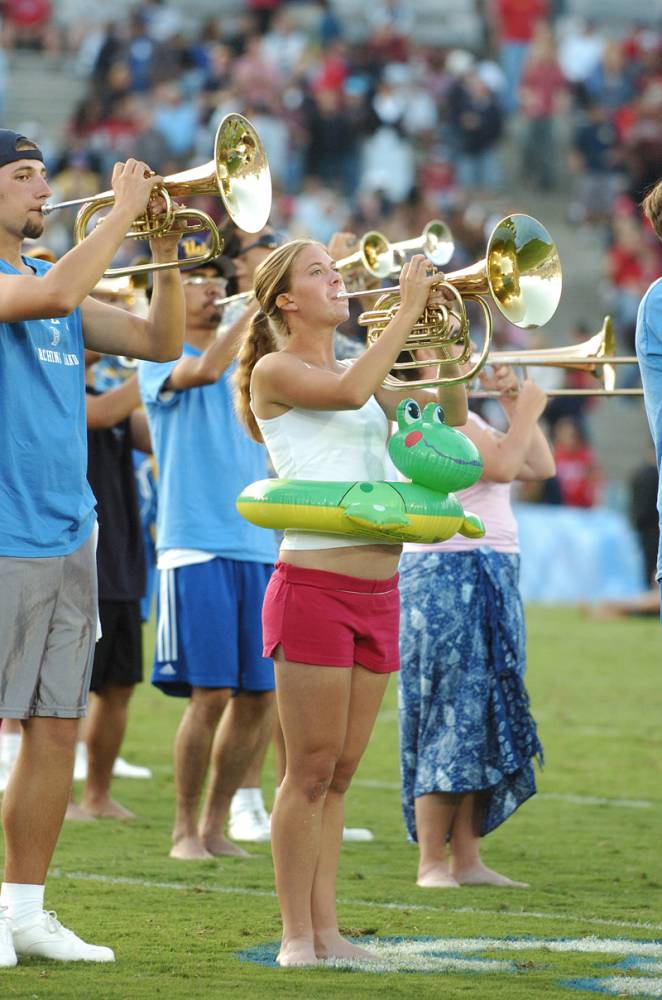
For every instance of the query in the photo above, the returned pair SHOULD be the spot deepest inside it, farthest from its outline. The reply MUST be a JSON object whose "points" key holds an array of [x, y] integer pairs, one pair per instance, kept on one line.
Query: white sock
{"points": [[246, 799], [22, 901], [10, 744]]}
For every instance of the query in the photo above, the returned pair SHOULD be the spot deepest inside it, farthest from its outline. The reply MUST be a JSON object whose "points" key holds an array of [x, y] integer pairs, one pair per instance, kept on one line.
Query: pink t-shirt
{"points": [[491, 501]]}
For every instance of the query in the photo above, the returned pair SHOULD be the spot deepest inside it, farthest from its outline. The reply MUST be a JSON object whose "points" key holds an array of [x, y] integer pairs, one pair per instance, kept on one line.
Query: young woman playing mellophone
{"points": [[331, 611]]}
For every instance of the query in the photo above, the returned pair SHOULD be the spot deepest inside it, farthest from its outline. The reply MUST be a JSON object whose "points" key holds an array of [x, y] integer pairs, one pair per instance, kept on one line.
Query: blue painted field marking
{"points": [[398, 954], [436, 955]]}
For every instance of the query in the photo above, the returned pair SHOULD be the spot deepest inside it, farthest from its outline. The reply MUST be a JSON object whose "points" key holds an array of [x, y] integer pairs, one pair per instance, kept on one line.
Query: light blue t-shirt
{"points": [[46, 504], [648, 340], [204, 459]]}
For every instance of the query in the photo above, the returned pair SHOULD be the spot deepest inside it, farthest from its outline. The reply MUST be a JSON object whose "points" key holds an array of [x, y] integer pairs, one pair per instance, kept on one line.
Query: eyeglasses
{"points": [[200, 280], [268, 240]]}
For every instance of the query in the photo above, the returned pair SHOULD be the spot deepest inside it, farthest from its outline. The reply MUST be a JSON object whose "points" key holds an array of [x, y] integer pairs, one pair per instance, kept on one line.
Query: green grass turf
{"points": [[178, 928]]}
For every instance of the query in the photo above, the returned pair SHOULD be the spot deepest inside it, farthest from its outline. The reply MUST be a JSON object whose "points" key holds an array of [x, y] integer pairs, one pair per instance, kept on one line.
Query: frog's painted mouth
{"points": [[451, 458]]}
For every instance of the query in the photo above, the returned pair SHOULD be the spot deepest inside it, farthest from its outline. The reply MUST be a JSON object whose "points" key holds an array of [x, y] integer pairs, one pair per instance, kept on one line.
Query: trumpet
{"points": [[374, 256], [520, 272], [595, 356], [436, 242], [245, 297], [238, 173]]}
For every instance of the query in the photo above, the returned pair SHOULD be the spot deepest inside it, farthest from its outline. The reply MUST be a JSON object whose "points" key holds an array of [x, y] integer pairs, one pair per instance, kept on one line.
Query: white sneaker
{"points": [[80, 762], [44, 937], [7, 950], [250, 824], [357, 834], [122, 769], [5, 771]]}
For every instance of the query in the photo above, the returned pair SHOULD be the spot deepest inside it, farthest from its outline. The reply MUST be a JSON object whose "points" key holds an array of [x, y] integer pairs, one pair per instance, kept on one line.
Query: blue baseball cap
{"points": [[14, 146]]}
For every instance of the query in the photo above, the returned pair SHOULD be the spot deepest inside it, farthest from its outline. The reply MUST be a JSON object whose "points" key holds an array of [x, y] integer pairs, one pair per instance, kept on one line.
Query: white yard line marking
{"points": [[636, 925], [596, 800], [574, 800]]}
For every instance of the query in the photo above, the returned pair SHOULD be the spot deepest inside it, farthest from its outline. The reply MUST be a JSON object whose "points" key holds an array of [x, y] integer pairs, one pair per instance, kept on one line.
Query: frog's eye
{"points": [[411, 412], [434, 414]]}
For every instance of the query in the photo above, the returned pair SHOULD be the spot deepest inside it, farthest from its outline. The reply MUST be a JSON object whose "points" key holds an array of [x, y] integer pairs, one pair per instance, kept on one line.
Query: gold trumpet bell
{"points": [[373, 258], [521, 271], [238, 173], [436, 242]]}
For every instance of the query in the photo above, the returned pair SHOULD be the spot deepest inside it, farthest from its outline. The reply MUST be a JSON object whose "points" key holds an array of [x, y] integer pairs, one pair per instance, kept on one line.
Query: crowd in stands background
{"points": [[383, 132]]}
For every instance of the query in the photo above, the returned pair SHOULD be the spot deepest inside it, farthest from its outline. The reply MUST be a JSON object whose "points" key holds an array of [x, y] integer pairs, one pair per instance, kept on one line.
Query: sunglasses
{"points": [[268, 240]]}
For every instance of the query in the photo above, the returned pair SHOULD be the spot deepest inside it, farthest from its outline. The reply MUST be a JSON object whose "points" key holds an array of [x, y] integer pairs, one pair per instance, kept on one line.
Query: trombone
{"points": [[595, 355], [436, 242], [521, 273], [238, 173]]}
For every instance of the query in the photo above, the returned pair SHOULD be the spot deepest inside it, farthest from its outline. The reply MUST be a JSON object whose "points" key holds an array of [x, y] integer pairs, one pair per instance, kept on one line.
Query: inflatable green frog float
{"points": [[437, 458]]}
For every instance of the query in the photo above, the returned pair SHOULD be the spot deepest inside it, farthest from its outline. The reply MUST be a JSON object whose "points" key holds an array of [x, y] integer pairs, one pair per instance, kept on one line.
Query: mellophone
{"points": [[521, 272], [238, 173]]}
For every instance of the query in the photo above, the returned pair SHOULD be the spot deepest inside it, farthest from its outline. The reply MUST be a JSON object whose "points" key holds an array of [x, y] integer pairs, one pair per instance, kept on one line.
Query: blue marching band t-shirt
{"points": [[648, 342], [46, 504], [204, 459]]}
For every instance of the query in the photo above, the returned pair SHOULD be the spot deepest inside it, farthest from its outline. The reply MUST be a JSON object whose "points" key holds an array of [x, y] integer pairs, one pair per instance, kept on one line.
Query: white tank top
{"points": [[327, 444]]}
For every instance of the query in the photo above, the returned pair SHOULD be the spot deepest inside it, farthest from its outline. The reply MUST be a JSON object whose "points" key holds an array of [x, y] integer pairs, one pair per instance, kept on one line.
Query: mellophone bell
{"points": [[238, 173]]}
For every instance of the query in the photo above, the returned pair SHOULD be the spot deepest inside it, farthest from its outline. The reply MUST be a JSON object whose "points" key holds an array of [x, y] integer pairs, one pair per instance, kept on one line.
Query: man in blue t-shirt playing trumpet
{"points": [[48, 586]]}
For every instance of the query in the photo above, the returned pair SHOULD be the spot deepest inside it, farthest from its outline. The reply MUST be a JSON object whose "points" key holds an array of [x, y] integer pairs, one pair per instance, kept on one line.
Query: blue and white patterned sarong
{"points": [[465, 724]]}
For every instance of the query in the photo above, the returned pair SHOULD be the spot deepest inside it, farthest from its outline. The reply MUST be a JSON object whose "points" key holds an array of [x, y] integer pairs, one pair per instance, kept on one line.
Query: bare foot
{"points": [[106, 809], [437, 876], [76, 813], [222, 847], [598, 612], [480, 874], [190, 849], [331, 944], [298, 951]]}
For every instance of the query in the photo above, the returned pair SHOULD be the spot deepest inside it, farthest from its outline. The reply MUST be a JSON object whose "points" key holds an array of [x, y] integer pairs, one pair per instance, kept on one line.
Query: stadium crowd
{"points": [[385, 132]]}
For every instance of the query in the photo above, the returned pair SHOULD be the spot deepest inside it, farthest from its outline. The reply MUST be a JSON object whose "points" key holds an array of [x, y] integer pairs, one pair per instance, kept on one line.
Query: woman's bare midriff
{"points": [[367, 562]]}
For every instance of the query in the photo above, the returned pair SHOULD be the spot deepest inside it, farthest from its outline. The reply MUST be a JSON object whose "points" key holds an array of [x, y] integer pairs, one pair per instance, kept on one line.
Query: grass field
{"points": [[590, 844]]}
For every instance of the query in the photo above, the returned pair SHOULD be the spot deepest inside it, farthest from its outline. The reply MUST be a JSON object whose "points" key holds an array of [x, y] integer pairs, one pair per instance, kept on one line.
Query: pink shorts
{"points": [[331, 619]]}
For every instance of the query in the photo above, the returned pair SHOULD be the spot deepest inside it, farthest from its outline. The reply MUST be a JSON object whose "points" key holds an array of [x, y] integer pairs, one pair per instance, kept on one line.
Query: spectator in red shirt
{"points": [[541, 93], [28, 25], [514, 24], [576, 468]]}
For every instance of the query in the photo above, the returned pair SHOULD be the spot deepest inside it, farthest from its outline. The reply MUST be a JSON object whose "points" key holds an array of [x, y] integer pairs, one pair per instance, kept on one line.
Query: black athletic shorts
{"points": [[118, 657]]}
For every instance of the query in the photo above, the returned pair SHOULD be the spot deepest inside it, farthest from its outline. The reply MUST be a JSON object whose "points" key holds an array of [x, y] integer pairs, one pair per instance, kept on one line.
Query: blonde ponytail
{"points": [[267, 329], [258, 341]]}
